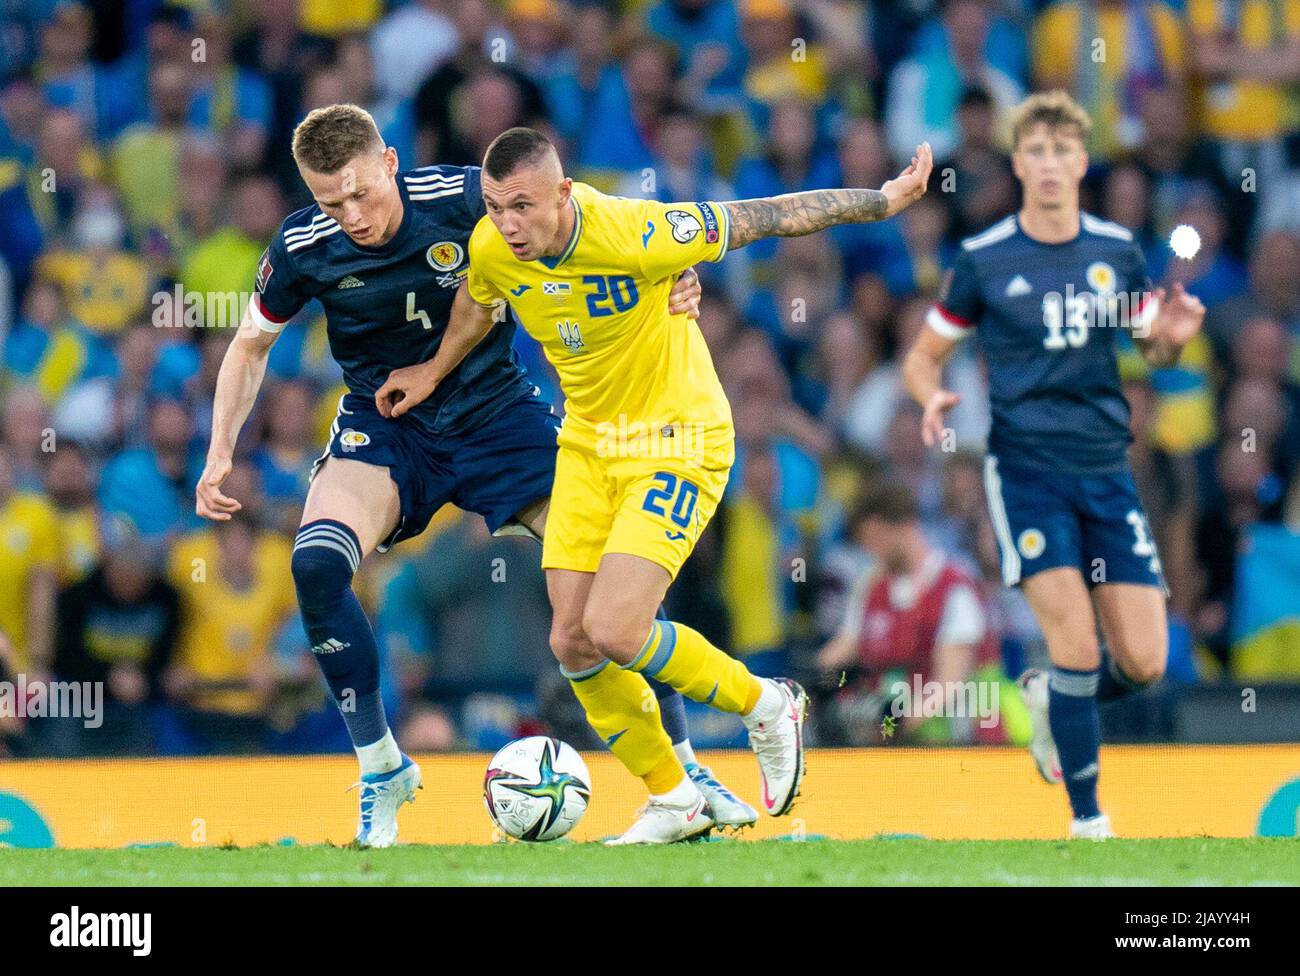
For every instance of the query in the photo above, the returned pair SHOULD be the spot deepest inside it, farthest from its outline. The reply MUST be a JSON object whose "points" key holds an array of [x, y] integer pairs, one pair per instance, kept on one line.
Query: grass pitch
{"points": [[1187, 861]]}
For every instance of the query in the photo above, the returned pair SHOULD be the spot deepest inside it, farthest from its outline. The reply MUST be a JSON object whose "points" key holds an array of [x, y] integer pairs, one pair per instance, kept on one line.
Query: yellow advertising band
{"points": [[978, 793]]}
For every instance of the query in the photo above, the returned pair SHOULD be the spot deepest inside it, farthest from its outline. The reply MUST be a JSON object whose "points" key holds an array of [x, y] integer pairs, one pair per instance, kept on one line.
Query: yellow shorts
{"points": [[654, 507]]}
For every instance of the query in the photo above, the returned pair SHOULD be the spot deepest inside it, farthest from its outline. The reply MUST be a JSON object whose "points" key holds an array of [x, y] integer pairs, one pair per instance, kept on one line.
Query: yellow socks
{"points": [[622, 708], [681, 657]]}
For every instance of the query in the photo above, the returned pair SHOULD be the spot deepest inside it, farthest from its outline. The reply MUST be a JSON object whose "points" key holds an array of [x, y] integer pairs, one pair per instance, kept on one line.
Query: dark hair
{"points": [[965, 458], [177, 17], [891, 502], [513, 148], [675, 108], [975, 95]]}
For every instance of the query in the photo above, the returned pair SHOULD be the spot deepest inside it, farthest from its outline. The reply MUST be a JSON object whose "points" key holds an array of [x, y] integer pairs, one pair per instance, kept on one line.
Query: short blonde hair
{"points": [[330, 136], [1054, 109]]}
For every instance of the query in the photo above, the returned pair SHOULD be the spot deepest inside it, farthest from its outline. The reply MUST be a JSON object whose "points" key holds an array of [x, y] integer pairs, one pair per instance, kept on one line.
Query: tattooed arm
{"points": [[797, 214]]}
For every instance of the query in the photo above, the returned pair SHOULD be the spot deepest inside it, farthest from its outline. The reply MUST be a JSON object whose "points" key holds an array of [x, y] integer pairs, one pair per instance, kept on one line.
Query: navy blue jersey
{"points": [[387, 306], [1047, 317]]}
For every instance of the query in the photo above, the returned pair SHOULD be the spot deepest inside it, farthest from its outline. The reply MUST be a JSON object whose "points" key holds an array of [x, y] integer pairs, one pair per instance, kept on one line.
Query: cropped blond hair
{"points": [[1055, 109]]}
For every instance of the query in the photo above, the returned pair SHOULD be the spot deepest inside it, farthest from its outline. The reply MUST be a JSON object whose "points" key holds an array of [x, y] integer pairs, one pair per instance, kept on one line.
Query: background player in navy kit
{"points": [[1045, 290], [385, 254]]}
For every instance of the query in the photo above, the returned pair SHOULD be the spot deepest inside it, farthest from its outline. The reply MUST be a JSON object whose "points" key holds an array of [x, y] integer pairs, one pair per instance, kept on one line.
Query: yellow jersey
{"points": [[334, 18], [750, 577], [1245, 108], [1109, 46], [600, 312], [29, 543], [227, 633], [105, 292], [78, 543]]}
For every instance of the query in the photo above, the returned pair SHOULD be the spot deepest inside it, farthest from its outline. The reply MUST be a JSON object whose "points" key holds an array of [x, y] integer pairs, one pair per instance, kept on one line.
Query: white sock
{"points": [[380, 757], [684, 794], [684, 752], [768, 707]]}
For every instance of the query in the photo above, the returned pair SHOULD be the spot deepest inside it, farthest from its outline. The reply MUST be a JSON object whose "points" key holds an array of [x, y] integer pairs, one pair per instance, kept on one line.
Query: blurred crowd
{"points": [[144, 160]]}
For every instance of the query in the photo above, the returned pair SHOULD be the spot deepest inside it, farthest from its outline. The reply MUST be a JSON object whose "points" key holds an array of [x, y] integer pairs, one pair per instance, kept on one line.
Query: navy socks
{"points": [[326, 554], [1076, 728]]}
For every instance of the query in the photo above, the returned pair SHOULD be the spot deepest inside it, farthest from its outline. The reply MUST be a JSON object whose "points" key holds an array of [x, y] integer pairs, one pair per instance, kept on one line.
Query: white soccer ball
{"points": [[536, 788]]}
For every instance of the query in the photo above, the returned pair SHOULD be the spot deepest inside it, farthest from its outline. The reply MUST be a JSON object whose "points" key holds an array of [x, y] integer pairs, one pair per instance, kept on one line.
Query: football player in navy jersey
{"points": [[385, 253], [1045, 292]]}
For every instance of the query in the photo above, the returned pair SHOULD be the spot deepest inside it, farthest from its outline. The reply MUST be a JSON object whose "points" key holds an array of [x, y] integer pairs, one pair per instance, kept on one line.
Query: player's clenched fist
{"points": [[404, 389], [932, 420], [209, 501], [685, 296]]}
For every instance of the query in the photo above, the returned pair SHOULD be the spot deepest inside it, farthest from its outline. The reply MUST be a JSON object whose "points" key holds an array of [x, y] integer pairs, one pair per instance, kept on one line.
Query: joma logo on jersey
{"points": [[571, 336]]}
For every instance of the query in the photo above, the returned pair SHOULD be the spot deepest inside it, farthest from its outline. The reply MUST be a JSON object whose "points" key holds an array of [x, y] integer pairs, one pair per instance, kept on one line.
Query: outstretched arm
{"points": [[923, 377], [797, 214], [467, 326], [238, 382]]}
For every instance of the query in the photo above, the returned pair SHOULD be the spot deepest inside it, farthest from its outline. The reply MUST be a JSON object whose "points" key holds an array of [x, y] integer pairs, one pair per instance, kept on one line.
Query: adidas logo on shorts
{"points": [[351, 281]]}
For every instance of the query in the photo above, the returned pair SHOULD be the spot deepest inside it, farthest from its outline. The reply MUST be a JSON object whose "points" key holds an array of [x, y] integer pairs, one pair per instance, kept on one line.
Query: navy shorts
{"points": [[496, 470], [1092, 522]]}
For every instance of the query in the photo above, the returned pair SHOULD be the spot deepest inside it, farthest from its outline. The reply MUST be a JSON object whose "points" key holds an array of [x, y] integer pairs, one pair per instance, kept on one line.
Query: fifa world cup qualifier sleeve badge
{"points": [[685, 226], [264, 270]]}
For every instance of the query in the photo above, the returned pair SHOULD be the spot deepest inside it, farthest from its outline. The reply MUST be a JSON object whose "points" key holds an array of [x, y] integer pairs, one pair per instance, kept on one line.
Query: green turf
{"points": [[1196, 861]]}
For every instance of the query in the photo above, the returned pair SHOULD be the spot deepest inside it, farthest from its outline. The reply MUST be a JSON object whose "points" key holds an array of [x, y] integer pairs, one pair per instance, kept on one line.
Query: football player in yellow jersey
{"points": [[646, 444]]}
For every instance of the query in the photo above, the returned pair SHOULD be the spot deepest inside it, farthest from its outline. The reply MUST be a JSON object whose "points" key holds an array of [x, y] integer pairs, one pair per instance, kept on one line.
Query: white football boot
{"points": [[1033, 688], [726, 809], [1091, 828], [778, 744], [382, 795], [663, 821]]}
